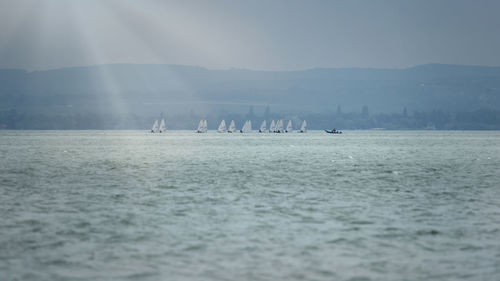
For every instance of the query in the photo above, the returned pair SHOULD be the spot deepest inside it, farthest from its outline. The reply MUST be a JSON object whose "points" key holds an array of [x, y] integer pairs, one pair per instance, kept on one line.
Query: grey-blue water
{"points": [[365, 205]]}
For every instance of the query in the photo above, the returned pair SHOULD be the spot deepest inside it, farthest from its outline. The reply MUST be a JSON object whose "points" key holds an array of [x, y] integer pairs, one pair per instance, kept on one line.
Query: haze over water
{"points": [[365, 205]]}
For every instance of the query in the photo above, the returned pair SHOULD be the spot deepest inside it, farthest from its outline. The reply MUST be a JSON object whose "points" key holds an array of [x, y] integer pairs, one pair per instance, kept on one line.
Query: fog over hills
{"points": [[146, 90]]}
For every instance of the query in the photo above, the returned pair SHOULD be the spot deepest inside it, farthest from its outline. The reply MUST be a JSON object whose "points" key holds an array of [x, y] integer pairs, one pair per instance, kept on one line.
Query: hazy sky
{"points": [[267, 34]]}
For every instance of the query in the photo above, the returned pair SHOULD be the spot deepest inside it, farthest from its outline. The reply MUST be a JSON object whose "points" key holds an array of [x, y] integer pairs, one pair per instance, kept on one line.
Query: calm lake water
{"points": [[365, 205]]}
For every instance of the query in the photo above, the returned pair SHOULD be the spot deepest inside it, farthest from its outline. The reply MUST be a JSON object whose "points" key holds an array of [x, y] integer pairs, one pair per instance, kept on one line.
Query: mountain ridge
{"points": [[137, 87]]}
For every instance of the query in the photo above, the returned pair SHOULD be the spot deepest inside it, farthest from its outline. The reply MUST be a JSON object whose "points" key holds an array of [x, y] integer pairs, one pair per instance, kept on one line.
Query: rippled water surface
{"points": [[368, 205]]}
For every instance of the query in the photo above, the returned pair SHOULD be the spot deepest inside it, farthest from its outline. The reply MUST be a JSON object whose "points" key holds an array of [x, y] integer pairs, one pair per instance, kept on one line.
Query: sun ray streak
{"points": [[111, 87]]}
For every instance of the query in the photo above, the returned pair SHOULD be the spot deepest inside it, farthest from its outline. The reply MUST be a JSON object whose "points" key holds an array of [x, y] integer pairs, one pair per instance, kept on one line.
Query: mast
{"points": [[155, 127], [222, 127], [303, 128], [200, 126], [262, 127], [247, 127], [162, 126], [232, 127], [279, 126], [272, 127]]}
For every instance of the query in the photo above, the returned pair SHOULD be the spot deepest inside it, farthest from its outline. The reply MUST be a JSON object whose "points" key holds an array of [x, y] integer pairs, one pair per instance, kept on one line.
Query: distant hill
{"points": [[145, 88]]}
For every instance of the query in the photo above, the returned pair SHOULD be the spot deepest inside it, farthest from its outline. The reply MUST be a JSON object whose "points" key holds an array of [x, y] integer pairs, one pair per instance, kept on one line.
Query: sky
{"points": [[257, 34]]}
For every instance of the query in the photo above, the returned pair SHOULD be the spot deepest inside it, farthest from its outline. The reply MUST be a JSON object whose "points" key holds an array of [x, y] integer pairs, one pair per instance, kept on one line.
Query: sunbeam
{"points": [[130, 16], [95, 51]]}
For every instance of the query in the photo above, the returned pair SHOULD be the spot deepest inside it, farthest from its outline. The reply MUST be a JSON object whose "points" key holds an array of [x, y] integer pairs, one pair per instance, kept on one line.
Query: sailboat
{"points": [[202, 126], [222, 127], [162, 126], [262, 127], [232, 127], [279, 126], [155, 127], [272, 127], [303, 127], [247, 127], [289, 127]]}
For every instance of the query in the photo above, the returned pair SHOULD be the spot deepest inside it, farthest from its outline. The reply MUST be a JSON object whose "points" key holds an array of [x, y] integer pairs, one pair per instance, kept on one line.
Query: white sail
{"points": [[247, 127], [155, 127], [279, 126], [222, 127], [232, 127], [289, 126], [272, 127], [201, 126], [162, 126], [205, 126], [303, 128], [262, 127]]}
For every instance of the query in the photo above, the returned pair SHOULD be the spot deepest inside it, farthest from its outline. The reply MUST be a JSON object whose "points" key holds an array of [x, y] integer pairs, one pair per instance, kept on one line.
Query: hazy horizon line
{"points": [[28, 70]]}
